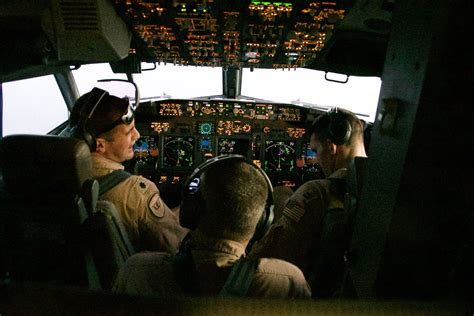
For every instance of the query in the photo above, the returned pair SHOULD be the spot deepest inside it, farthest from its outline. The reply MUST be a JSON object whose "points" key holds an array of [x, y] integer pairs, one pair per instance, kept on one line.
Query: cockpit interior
{"points": [[412, 234], [179, 134]]}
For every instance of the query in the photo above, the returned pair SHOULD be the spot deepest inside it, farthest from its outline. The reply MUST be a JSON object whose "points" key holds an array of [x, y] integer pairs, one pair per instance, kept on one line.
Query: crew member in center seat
{"points": [[107, 125], [227, 203]]}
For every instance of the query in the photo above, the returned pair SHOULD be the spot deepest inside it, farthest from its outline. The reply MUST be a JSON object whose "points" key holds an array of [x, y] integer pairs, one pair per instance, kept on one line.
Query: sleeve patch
{"points": [[155, 205], [293, 210]]}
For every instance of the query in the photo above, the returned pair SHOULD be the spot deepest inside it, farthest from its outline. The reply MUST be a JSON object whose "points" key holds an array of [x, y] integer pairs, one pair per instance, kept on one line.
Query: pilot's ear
{"points": [[100, 145], [332, 148]]}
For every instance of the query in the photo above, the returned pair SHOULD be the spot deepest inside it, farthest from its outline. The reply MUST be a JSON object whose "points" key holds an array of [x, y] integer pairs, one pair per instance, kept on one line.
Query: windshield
{"points": [[310, 88], [301, 86], [167, 81]]}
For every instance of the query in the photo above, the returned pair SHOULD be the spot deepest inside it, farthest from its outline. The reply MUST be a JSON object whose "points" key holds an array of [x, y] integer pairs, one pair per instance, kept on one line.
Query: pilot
{"points": [[336, 137], [226, 203], [107, 124]]}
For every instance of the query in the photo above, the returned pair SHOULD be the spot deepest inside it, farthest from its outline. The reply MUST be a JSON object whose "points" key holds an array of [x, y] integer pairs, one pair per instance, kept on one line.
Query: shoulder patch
{"points": [[155, 205]]}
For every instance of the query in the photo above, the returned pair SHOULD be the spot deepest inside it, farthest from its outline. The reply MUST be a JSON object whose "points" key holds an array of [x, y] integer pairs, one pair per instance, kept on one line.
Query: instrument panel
{"points": [[178, 135]]}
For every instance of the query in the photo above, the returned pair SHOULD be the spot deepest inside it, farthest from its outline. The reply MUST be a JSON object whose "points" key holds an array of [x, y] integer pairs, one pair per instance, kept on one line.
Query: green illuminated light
{"points": [[274, 3]]}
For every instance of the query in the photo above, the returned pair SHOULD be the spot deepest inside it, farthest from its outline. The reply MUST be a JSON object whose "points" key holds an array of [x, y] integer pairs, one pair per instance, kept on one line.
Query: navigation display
{"points": [[238, 146], [178, 152], [279, 156]]}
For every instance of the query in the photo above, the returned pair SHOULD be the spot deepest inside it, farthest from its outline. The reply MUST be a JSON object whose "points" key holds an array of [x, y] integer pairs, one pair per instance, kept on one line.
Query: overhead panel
{"points": [[266, 34]]}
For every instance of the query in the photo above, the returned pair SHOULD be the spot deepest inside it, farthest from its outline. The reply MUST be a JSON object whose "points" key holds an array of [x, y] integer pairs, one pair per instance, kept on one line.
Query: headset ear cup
{"points": [[266, 220], [189, 210], [339, 128], [88, 138], [80, 132]]}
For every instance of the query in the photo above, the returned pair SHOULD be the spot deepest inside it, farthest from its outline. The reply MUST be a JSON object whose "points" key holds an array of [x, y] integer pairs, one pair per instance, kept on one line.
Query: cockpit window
{"points": [[309, 88], [167, 81], [32, 106], [181, 82], [86, 76]]}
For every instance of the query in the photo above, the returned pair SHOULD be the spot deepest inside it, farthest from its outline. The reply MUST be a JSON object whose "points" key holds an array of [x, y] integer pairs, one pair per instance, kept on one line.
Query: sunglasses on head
{"points": [[96, 97], [126, 119]]}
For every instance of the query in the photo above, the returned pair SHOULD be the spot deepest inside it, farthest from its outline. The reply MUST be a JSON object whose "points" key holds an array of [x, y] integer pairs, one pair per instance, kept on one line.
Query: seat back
{"points": [[52, 228], [42, 208]]}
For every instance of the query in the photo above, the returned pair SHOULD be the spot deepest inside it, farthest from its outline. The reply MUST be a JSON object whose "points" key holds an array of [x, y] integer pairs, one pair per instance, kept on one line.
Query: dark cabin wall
{"points": [[415, 212], [432, 222]]}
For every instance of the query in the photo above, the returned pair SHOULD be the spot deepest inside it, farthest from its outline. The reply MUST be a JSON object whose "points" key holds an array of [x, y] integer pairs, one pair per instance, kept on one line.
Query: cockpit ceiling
{"points": [[329, 35], [233, 33]]}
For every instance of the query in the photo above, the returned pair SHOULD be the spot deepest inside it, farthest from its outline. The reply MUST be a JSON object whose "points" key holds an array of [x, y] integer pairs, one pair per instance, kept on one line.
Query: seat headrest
{"points": [[44, 167]]}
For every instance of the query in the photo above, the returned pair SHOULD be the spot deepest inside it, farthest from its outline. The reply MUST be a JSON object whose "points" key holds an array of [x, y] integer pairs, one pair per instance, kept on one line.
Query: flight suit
{"points": [[152, 273], [295, 236], [151, 225]]}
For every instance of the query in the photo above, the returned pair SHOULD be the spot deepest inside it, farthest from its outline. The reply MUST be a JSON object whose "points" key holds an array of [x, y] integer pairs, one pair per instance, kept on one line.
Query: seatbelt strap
{"points": [[110, 180], [126, 248], [237, 283], [240, 278], [92, 273]]}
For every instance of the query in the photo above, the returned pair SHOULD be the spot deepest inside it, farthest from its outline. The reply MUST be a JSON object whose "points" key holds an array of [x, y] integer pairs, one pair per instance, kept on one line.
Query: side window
{"points": [[32, 106]]}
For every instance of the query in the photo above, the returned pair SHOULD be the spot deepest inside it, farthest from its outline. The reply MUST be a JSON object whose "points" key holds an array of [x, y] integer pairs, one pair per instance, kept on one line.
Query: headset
{"points": [[339, 128], [191, 197], [83, 131]]}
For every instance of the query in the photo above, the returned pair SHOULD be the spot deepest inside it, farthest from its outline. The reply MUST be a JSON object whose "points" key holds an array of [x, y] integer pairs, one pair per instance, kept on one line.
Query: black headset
{"points": [[192, 199], [82, 130], [339, 129]]}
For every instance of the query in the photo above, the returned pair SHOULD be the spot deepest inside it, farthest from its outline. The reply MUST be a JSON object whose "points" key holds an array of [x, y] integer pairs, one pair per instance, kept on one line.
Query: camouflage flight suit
{"points": [[150, 223], [295, 235]]}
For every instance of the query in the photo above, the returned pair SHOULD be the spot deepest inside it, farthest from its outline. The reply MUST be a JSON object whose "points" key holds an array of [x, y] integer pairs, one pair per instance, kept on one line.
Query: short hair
{"points": [[109, 110], [234, 194], [320, 126]]}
